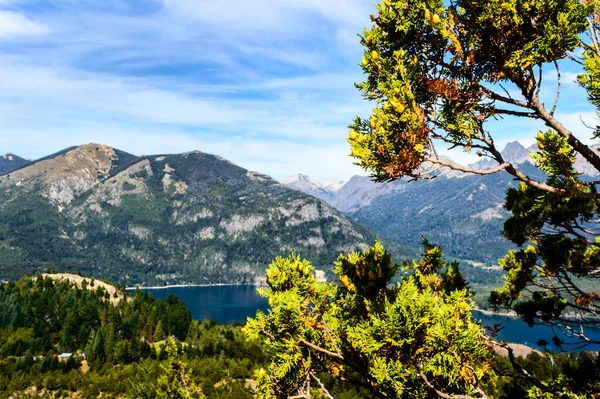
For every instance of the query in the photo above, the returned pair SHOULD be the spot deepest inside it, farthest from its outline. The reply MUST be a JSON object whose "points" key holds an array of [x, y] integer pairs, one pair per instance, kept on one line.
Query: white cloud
{"points": [[277, 158], [14, 24], [566, 77]]}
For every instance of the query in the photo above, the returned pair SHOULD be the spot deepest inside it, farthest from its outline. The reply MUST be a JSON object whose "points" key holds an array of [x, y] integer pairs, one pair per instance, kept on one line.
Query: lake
{"points": [[235, 303]]}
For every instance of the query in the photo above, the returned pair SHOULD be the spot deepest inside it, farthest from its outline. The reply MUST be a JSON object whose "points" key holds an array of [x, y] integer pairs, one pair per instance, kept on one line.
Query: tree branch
{"points": [[516, 113], [558, 89], [322, 350], [325, 391], [444, 395], [573, 141], [498, 97], [469, 170], [522, 372]]}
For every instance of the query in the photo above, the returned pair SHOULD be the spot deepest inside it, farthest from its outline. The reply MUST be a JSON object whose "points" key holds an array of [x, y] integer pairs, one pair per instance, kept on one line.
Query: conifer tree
{"points": [[441, 74], [98, 354], [109, 342], [175, 381], [158, 332], [413, 339]]}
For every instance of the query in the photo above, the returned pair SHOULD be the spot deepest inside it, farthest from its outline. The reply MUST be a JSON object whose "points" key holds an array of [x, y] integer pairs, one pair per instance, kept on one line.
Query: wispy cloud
{"points": [[14, 24], [267, 84]]}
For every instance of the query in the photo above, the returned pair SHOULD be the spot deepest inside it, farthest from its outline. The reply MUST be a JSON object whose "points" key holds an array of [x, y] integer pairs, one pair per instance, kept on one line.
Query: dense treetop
{"points": [[439, 74]]}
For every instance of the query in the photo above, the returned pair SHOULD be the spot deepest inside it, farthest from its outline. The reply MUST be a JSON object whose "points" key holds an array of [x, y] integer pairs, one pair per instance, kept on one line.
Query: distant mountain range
{"points": [[320, 188], [161, 219], [10, 162], [463, 213]]}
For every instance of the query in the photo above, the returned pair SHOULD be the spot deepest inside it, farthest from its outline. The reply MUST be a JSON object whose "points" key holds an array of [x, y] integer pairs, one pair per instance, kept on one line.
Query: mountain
{"points": [[461, 212], [463, 215], [320, 188], [10, 162], [514, 152], [186, 218]]}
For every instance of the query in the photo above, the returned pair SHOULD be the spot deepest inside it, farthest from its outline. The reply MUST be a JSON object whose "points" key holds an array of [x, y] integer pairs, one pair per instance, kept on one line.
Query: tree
{"points": [[445, 74], [416, 338], [158, 332], [175, 381]]}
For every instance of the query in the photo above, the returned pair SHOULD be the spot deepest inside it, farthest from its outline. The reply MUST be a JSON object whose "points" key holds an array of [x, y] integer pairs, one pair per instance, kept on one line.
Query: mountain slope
{"points": [[462, 213], [189, 218], [10, 162], [319, 188]]}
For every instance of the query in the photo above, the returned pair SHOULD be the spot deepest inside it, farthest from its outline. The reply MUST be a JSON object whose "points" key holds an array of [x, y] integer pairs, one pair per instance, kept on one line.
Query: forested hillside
{"points": [[189, 218]]}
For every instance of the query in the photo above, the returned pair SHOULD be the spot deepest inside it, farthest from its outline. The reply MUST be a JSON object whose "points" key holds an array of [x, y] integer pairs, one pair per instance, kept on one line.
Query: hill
{"points": [[10, 162], [163, 219]]}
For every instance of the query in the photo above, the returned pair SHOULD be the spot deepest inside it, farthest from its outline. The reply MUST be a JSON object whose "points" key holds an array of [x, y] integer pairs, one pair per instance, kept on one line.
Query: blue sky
{"points": [[267, 84]]}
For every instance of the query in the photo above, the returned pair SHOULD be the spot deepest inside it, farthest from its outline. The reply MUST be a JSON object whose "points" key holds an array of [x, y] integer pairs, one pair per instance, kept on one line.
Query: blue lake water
{"points": [[234, 304]]}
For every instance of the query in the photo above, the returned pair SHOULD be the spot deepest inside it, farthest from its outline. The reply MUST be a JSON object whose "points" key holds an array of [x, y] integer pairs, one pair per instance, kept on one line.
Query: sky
{"points": [[267, 84]]}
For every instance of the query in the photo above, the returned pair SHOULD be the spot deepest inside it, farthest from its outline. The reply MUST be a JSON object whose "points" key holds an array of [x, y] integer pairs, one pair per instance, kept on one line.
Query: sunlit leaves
{"points": [[367, 329], [426, 62]]}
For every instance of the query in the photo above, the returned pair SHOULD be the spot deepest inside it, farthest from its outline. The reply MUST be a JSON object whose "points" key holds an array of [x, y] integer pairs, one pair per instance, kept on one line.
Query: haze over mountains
{"points": [[461, 212], [185, 218], [10, 162]]}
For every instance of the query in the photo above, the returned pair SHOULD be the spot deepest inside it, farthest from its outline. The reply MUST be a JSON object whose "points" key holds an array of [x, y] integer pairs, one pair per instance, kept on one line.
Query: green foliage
{"points": [[175, 381], [439, 73], [427, 61], [411, 338], [33, 327], [567, 372], [41, 314]]}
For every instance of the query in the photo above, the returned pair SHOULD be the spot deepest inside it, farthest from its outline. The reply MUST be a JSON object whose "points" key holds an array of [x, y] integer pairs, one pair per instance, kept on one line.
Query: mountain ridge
{"points": [[10, 162], [161, 219], [462, 212]]}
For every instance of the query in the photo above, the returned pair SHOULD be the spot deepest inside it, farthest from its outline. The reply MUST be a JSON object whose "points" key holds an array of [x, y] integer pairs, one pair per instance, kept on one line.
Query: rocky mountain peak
{"points": [[295, 178], [64, 175], [514, 152], [10, 162], [320, 188]]}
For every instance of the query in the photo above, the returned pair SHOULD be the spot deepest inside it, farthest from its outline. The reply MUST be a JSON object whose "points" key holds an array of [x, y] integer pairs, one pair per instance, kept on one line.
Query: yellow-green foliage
{"points": [[437, 72], [367, 331], [428, 64]]}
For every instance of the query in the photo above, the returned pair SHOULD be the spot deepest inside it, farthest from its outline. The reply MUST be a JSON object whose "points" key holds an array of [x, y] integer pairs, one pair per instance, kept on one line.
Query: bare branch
{"points": [[444, 395], [322, 350], [593, 36], [469, 170], [516, 113], [558, 89], [509, 100], [323, 389]]}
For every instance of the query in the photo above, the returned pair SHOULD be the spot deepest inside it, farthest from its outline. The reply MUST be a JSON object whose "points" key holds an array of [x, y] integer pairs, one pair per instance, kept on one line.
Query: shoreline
{"points": [[162, 287], [512, 315], [486, 312]]}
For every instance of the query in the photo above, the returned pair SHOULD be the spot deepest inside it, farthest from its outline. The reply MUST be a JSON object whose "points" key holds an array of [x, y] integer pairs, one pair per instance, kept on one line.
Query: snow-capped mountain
{"points": [[320, 188]]}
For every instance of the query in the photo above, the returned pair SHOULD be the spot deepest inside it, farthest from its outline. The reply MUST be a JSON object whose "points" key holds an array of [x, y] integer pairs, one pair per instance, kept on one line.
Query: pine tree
{"points": [[193, 333], [448, 75], [175, 381], [414, 339], [90, 355], [109, 342], [99, 356], [158, 332]]}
